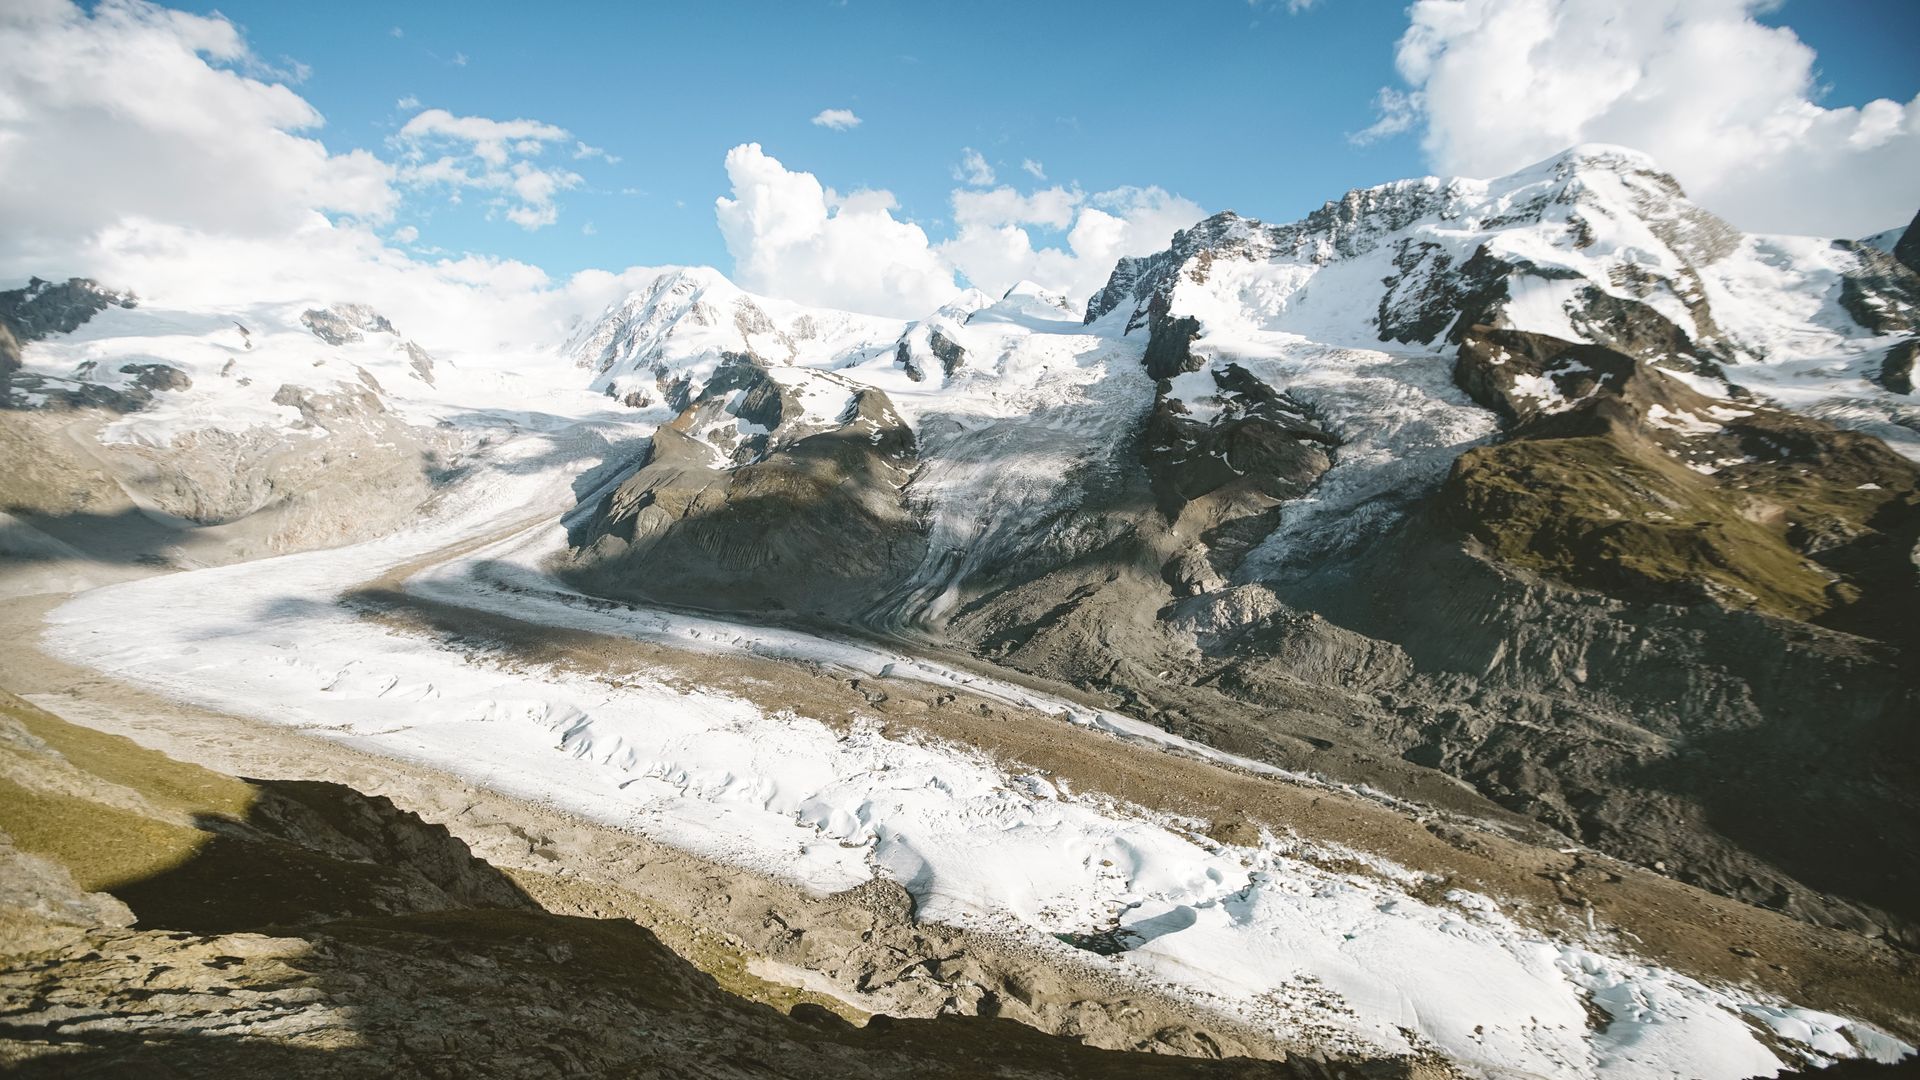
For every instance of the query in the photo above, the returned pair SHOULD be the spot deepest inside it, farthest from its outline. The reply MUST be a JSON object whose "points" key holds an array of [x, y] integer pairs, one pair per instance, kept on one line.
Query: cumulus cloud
{"points": [[489, 139], [499, 157], [994, 248], [837, 119], [973, 168], [129, 110], [149, 148], [1395, 111], [1052, 207], [1721, 100], [791, 236], [1034, 169]]}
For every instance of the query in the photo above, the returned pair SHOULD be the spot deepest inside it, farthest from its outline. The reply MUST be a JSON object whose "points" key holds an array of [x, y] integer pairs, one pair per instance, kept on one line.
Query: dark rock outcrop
{"points": [[45, 308], [1896, 367], [1907, 248], [150, 377], [1883, 295], [811, 522], [343, 324]]}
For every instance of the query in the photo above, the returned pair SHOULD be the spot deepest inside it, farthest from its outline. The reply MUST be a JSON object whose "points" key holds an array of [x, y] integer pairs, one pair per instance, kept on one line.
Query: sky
{"points": [[879, 155]]}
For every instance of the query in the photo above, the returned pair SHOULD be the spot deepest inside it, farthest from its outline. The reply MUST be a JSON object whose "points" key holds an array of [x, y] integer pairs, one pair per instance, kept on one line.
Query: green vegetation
{"points": [[1598, 512]]}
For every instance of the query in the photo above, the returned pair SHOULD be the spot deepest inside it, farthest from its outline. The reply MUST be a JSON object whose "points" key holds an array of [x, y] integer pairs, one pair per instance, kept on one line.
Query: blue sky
{"points": [[1229, 105]]}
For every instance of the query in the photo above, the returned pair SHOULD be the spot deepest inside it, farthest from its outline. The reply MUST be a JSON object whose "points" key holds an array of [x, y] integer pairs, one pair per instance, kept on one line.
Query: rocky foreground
{"points": [[160, 918]]}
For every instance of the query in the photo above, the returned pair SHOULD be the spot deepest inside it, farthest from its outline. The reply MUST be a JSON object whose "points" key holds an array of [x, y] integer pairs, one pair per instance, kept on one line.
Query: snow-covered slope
{"points": [[665, 340], [1357, 310], [233, 369]]}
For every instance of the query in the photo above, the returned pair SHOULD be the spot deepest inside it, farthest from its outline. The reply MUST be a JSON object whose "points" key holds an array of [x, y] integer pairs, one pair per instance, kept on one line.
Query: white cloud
{"points": [[790, 236], [396, 32], [146, 148], [1034, 169], [407, 104], [1723, 101], [1052, 207], [973, 168], [497, 156], [490, 139], [994, 251], [837, 119], [132, 111], [1396, 112]]}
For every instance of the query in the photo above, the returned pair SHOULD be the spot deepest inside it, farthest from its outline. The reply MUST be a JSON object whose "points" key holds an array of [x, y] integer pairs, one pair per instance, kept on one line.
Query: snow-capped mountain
{"points": [[1571, 378], [1551, 502], [1211, 478]]}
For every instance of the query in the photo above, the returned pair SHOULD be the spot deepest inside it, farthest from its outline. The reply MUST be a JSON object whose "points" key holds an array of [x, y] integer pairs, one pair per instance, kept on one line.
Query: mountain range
{"points": [[1552, 503]]}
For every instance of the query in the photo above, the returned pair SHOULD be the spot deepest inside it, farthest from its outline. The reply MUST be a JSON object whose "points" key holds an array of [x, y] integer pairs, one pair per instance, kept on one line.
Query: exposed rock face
{"points": [[950, 352], [745, 501], [344, 324], [1170, 345], [928, 340], [1896, 369], [1907, 248], [9, 352], [44, 308], [158, 377], [1883, 294], [1221, 481]]}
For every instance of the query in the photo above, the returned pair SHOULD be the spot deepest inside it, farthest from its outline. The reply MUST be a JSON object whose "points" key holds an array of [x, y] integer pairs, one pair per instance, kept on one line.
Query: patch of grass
{"points": [[1599, 512], [166, 783], [103, 847]]}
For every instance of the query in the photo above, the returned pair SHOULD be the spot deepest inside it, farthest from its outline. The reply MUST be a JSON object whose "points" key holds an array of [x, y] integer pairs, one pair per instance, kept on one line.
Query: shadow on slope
{"points": [[306, 929]]}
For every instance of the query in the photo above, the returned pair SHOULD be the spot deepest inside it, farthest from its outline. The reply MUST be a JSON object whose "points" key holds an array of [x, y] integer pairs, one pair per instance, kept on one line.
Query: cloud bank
{"points": [[153, 150], [1724, 102], [498, 157], [792, 236]]}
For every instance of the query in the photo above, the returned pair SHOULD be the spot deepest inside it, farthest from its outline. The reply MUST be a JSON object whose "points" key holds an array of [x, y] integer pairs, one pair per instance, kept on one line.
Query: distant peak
{"points": [[1589, 157]]}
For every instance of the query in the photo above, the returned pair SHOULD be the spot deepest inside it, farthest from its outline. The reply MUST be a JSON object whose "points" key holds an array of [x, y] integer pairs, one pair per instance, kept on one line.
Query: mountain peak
{"points": [[1590, 156]]}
